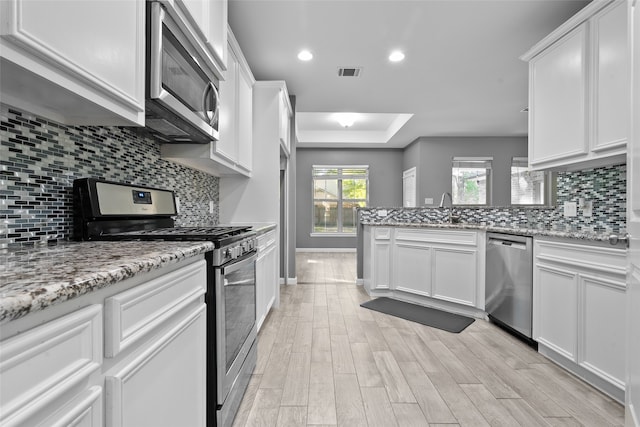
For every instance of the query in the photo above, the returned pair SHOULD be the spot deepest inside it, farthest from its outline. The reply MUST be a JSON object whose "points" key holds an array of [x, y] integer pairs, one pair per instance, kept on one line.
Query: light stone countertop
{"points": [[562, 233], [34, 278]]}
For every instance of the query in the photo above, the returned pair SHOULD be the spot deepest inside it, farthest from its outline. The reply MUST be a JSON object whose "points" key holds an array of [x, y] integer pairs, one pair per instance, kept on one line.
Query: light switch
{"points": [[382, 212], [428, 200], [570, 209]]}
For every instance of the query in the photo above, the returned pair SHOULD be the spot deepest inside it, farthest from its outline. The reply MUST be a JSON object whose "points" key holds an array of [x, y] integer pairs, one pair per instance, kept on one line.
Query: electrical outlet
{"points": [[211, 207], [587, 208], [428, 200], [382, 213], [570, 209]]}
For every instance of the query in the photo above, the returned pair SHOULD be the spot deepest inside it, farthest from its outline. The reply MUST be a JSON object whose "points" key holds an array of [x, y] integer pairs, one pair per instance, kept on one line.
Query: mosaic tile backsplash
{"points": [[606, 187], [39, 159]]}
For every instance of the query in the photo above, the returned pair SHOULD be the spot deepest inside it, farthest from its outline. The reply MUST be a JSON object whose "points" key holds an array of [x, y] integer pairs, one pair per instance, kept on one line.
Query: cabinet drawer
{"points": [[456, 237], [266, 240], [134, 314], [382, 233], [47, 362], [594, 258]]}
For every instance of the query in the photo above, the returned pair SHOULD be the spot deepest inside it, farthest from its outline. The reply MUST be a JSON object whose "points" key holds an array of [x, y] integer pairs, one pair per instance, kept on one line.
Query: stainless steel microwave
{"points": [[182, 102]]}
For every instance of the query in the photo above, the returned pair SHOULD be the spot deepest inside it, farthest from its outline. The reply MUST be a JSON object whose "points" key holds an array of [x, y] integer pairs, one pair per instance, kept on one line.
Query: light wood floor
{"points": [[324, 360]]}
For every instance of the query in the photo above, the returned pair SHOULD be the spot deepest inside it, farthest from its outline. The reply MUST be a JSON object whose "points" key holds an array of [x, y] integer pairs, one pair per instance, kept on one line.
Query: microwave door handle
{"points": [[211, 116]]}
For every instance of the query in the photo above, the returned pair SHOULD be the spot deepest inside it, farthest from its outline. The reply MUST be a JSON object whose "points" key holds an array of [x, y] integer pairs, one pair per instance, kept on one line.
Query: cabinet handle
{"points": [[614, 239]]}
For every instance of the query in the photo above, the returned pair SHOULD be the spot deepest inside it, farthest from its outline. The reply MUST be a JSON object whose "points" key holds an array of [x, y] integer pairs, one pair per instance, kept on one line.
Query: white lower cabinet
{"points": [[579, 310], [165, 384], [455, 275], [412, 268], [52, 366], [377, 259], [151, 372], [443, 267], [557, 291], [267, 276]]}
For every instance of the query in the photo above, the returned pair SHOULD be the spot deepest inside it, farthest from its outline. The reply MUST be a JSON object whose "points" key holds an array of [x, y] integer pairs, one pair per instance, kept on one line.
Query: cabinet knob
{"points": [[614, 239]]}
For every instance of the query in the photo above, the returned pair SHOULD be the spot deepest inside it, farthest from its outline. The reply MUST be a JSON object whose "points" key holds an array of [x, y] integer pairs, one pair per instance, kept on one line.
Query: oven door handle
{"points": [[238, 264]]}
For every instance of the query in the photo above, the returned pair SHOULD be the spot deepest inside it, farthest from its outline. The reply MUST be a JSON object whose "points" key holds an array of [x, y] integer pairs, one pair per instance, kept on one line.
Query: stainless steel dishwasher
{"points": [[509, 281]]}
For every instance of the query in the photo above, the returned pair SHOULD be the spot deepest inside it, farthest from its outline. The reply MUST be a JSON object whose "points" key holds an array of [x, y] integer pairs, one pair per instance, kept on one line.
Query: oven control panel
{"points": [[238, 249]]}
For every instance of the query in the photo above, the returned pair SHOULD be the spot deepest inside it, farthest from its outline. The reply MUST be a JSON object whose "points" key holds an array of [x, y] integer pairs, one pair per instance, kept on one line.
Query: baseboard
{"points": [[360, 282], [290, 281], [325, 249]]}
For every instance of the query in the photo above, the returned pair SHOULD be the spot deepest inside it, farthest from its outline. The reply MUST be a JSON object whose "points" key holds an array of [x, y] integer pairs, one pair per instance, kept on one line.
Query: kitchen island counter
{"points": [[34, 278], [523, 230]]}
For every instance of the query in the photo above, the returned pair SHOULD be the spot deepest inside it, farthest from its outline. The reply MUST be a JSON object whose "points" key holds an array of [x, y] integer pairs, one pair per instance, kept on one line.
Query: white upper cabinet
{"points": [[208, 19], [285, 120], [232, 154], [611, 79], [558, 114], [578, 86], [74, 62]]}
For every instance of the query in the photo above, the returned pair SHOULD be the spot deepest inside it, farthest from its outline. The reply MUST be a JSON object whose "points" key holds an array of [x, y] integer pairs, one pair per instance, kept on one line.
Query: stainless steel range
{"points": [[113, 211]]}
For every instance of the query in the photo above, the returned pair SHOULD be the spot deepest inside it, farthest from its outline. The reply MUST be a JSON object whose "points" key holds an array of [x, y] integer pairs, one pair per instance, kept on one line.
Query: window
{"points": [[527, 187], [337, 192], [471, 180]]}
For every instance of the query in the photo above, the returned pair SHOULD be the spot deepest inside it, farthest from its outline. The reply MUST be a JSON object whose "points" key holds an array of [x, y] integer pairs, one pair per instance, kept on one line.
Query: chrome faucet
{"points": [[442, 199], [451, 219]]}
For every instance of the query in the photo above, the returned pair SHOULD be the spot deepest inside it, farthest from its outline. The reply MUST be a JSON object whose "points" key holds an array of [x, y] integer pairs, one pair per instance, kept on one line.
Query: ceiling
{"points": [[461, 76]]}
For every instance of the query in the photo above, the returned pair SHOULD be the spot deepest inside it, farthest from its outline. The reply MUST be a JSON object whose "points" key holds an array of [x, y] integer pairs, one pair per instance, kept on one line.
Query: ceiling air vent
{"points": [[349, 71]]}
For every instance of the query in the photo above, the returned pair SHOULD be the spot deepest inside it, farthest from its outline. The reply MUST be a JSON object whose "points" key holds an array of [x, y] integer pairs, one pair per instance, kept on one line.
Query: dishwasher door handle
{"points": [[515, 245]]}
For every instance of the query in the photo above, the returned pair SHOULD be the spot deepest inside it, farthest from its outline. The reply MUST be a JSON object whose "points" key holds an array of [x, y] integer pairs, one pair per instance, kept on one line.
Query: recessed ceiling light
{"points": [[305, 55], [345, 119], [396, 56]]}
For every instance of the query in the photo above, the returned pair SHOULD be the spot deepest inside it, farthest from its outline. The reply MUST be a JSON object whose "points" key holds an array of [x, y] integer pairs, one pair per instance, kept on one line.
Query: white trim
{"points": [[360, 282], [290, 280], [325, 249]]}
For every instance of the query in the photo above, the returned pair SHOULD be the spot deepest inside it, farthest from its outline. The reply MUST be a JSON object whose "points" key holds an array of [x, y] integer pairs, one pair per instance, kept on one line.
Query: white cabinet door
{"points": [[165, 383], [245, 118], [227, 146], [70, 61], [210, 18], [557, 95], [412, 268], [555, 309], [217, 34], [267, 280], [285, 115], [381, 265], [43, 368], [611, 78], [455, 274], [602, 328], [84, 411]]}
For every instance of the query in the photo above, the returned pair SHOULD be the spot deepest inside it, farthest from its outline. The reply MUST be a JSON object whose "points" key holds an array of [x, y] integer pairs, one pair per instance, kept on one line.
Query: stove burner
{"points": [[189, 233]]}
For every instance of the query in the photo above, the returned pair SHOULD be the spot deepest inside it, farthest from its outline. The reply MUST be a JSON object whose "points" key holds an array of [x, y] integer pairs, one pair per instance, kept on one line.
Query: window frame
{"points": [[489, 179], [339, 215], [547, 193]]}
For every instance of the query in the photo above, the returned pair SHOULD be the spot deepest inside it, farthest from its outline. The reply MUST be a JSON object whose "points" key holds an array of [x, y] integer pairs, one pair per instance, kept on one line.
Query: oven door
{"points": [[179, 79], [235, 319]]}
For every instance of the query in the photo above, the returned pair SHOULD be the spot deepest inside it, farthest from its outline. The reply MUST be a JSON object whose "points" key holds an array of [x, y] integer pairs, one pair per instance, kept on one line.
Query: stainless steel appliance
{"points": [[509, 281], [114, 211], [182, 102]]}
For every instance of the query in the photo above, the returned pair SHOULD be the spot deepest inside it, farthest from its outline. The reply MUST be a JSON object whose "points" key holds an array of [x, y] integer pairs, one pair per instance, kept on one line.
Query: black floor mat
{"points": [[416, 313]]}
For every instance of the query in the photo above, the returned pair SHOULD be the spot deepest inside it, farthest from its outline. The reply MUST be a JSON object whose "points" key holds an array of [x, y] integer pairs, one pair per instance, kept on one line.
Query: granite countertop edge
{"points": [[33, 280], [523, 231]]}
